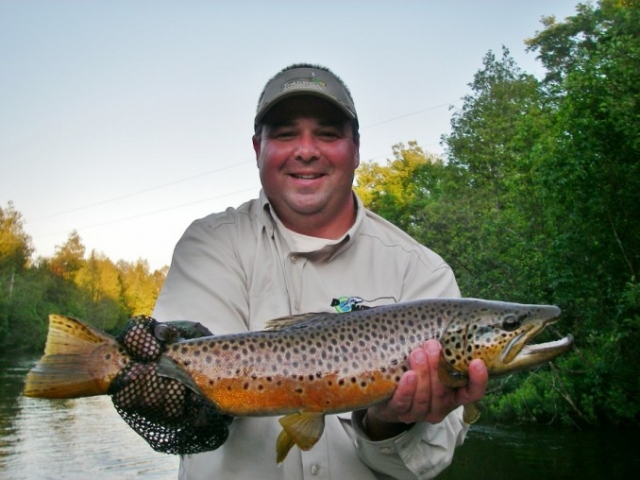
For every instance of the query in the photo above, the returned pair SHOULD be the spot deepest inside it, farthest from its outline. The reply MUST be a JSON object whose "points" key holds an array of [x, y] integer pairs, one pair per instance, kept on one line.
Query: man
{"points": [[307, 244]]}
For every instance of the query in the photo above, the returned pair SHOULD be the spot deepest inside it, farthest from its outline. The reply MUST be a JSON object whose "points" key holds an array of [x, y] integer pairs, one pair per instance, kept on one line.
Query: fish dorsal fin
{"points": [[302, 429], [293, 321]]}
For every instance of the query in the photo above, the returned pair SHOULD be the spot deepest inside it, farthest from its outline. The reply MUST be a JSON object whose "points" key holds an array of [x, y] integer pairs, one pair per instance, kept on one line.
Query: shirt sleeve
{"points": [[421, 452], [206, 282]]}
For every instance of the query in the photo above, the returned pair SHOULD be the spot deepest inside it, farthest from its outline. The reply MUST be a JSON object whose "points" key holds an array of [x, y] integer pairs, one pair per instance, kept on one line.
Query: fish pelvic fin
{"points": [[284, 443], [78, 361], [302, 429]]}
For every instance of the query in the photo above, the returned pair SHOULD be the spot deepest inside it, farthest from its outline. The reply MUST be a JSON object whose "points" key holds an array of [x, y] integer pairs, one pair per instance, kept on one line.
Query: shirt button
{"points": [[294, 259], [386, 450], [315, 469]]}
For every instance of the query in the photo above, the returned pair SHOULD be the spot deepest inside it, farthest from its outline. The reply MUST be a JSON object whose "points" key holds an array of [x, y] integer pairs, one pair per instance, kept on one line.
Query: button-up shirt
{"points": [[233, 271]]}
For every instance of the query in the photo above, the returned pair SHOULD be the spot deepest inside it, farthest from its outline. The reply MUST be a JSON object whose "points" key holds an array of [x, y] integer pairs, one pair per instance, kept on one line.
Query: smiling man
{"points": [[307, 155], [307, 244]]}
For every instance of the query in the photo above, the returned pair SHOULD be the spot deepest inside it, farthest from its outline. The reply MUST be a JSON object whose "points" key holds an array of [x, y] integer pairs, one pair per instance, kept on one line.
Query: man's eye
{"points": [[329, 134], [283, 134]]}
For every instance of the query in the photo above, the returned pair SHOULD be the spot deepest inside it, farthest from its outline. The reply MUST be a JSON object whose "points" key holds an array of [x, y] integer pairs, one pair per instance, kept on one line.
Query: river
{"points": [[85, 438]]}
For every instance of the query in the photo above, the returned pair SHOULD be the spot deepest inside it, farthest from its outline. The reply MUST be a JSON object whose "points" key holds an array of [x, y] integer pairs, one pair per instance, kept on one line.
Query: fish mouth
{"points": [[548, 350], [520, 355], [524, 356]]}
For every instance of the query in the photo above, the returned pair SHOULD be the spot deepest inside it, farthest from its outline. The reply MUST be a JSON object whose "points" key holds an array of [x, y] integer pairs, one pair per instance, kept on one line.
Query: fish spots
{"points": [[344, 355]]}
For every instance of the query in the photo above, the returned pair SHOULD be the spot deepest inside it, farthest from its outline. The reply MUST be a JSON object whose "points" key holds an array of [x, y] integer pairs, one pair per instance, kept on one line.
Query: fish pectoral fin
{"points": [[168, 368], [302, 429], [470, 413], [449, 376]]}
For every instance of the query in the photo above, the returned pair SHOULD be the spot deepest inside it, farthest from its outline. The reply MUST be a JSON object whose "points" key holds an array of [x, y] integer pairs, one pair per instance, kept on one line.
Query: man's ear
{"points": [[256, 146]]}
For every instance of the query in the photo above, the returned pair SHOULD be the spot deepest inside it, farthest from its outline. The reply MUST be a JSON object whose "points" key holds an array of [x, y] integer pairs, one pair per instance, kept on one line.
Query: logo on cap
{"points": [[309, 83]]}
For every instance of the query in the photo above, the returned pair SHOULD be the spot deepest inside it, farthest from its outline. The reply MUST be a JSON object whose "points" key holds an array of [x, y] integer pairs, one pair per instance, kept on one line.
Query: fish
{"points": [[301, 367]]}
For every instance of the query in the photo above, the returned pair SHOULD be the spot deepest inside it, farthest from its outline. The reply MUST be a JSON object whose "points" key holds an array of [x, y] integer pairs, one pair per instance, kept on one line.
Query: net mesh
{"points": [[171, 417]]}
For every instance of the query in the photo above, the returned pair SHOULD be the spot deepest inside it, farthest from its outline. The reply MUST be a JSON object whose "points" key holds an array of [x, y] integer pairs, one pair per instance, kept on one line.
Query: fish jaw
{"points": [[529, 356], [497, 333]]}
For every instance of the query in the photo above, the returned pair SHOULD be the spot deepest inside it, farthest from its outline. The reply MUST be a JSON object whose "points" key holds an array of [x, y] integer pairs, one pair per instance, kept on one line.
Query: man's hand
{"points": [[421, 397]]}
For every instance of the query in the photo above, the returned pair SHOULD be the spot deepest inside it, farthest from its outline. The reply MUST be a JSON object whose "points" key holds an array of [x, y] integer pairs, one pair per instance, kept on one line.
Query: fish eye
{"points": [[511, 323]]}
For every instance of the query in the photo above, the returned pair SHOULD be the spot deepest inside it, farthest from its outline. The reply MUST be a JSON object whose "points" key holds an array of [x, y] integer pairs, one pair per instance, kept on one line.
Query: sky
{"points": [[127, 120]]}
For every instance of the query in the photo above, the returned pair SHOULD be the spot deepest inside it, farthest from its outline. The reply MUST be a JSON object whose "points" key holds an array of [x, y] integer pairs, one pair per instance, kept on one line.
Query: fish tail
{"points": [[78, 361]]}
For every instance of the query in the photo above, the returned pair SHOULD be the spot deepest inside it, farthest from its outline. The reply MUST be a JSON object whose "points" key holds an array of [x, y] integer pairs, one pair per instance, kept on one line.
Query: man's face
{"points": [[307, 157]]}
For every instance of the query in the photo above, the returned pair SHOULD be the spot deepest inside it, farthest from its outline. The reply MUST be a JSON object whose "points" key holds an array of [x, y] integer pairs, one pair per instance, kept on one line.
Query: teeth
{"points": [[307, 177]]}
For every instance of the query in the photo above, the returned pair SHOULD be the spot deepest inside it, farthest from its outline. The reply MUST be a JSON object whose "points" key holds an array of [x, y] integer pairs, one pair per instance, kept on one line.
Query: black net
{"points": [[169, 416]]}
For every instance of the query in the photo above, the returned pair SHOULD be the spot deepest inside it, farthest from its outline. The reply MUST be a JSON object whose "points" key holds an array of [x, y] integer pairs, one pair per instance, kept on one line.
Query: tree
{"points": [[139, 288], [100, 279], [495, 210], [395, 190], [15, 244], [68, 258], [94, 289], [592, 176]]}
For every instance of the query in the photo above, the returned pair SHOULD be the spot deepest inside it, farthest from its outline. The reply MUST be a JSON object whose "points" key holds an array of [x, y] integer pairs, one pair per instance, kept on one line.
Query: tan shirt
{"points": [[235, 270]]}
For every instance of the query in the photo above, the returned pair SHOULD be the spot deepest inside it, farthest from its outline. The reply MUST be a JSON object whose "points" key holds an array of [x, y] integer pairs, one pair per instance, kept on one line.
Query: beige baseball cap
{"points": [[305, 80]]}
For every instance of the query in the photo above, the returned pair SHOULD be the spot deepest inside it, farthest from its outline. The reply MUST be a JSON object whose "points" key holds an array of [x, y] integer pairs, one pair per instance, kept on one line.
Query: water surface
{"points": [[69, 439]]}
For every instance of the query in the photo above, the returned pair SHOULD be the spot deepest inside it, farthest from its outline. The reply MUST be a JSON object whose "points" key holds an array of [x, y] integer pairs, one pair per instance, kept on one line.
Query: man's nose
{"points": [[307, 148]]}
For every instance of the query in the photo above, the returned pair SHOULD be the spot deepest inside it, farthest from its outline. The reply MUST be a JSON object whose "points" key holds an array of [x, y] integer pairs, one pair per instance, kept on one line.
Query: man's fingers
{"points": [[478, 377], [403, 397]]}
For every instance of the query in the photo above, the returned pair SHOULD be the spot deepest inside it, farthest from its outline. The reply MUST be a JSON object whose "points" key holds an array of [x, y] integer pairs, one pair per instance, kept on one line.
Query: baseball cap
{"points": [[305, 80]]}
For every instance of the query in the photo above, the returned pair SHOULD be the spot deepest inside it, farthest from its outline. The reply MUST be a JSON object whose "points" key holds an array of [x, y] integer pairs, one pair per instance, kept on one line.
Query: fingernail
{"points": [[433, 348], [419, 356]]}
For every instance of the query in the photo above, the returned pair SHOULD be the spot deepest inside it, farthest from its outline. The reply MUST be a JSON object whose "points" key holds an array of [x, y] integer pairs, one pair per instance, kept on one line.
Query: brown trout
{"points": [[302, 367]]}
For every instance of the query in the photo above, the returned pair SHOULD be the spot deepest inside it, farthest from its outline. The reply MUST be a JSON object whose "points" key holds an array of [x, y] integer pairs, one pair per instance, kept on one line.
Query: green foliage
{"points": [[93, 289], [537, 202], [536, 398], [15, 245]]}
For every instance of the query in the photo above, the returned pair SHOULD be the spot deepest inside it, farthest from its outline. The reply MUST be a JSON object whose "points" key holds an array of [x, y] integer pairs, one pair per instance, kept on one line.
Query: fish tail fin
{"points": [[78, 361]]}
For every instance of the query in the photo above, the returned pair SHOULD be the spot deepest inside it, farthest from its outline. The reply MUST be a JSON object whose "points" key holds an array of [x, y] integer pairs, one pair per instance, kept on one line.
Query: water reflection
{"points": [[66, 439], [534, 452]]}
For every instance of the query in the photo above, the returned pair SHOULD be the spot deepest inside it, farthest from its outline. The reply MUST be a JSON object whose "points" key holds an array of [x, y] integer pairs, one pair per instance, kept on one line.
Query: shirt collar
{"points": [[272, 224]]}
